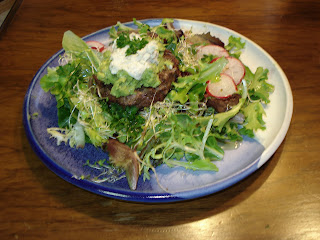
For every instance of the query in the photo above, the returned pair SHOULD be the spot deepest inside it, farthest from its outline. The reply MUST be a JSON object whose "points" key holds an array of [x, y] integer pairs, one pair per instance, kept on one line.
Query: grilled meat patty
{"points": [[144, 96], [223, 104]]}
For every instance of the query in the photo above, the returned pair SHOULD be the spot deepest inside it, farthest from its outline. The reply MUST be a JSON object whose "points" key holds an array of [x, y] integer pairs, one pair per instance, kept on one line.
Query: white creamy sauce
{"points": [[134, 64]]}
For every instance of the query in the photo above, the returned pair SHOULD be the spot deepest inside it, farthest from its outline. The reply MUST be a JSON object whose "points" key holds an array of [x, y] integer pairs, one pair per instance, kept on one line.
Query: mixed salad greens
{"points": [[183, 129]]}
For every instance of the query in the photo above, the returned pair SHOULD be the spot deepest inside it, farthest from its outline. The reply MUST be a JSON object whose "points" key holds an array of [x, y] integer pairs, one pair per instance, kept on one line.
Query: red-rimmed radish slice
{"points": [[214, 50], [235, 69], [96, 45], [215, 59], [222, 89]]}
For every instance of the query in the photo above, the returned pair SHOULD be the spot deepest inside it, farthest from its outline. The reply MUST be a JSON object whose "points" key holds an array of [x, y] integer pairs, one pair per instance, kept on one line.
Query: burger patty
{"points": [[145, 96], [223, 104]]}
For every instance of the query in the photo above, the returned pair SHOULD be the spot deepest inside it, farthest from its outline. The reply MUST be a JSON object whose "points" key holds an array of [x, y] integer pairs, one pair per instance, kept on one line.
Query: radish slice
{"points": [[96, 45], [215, 50], [215, 59], [222, 89], [235, 69]]}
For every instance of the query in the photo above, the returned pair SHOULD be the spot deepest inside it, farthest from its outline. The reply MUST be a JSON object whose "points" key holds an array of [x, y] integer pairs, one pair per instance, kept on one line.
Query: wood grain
{"points": [[279, 201]]}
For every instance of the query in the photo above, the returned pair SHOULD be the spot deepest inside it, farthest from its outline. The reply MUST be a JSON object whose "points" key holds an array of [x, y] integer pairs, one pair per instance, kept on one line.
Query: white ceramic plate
{"points": [[40, 113]]}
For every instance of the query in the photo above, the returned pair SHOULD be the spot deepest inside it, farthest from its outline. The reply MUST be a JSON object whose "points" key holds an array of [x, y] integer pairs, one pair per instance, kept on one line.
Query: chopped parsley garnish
{"points": [[135, 44], [125, 120]]}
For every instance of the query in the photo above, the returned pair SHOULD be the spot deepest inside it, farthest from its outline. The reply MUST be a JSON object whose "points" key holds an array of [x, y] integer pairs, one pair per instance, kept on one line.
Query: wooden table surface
{"points": [[279, 201]]}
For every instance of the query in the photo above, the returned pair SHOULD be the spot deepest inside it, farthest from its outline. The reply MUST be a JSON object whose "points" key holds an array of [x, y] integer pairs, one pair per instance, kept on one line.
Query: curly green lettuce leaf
{"points": [[230, 132], [193, 87], [179, 136], [60, 81], [123, 28], [253, 113], [258, 87], [142, 27], [113, 33], [235, 46], [164, 34]]}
